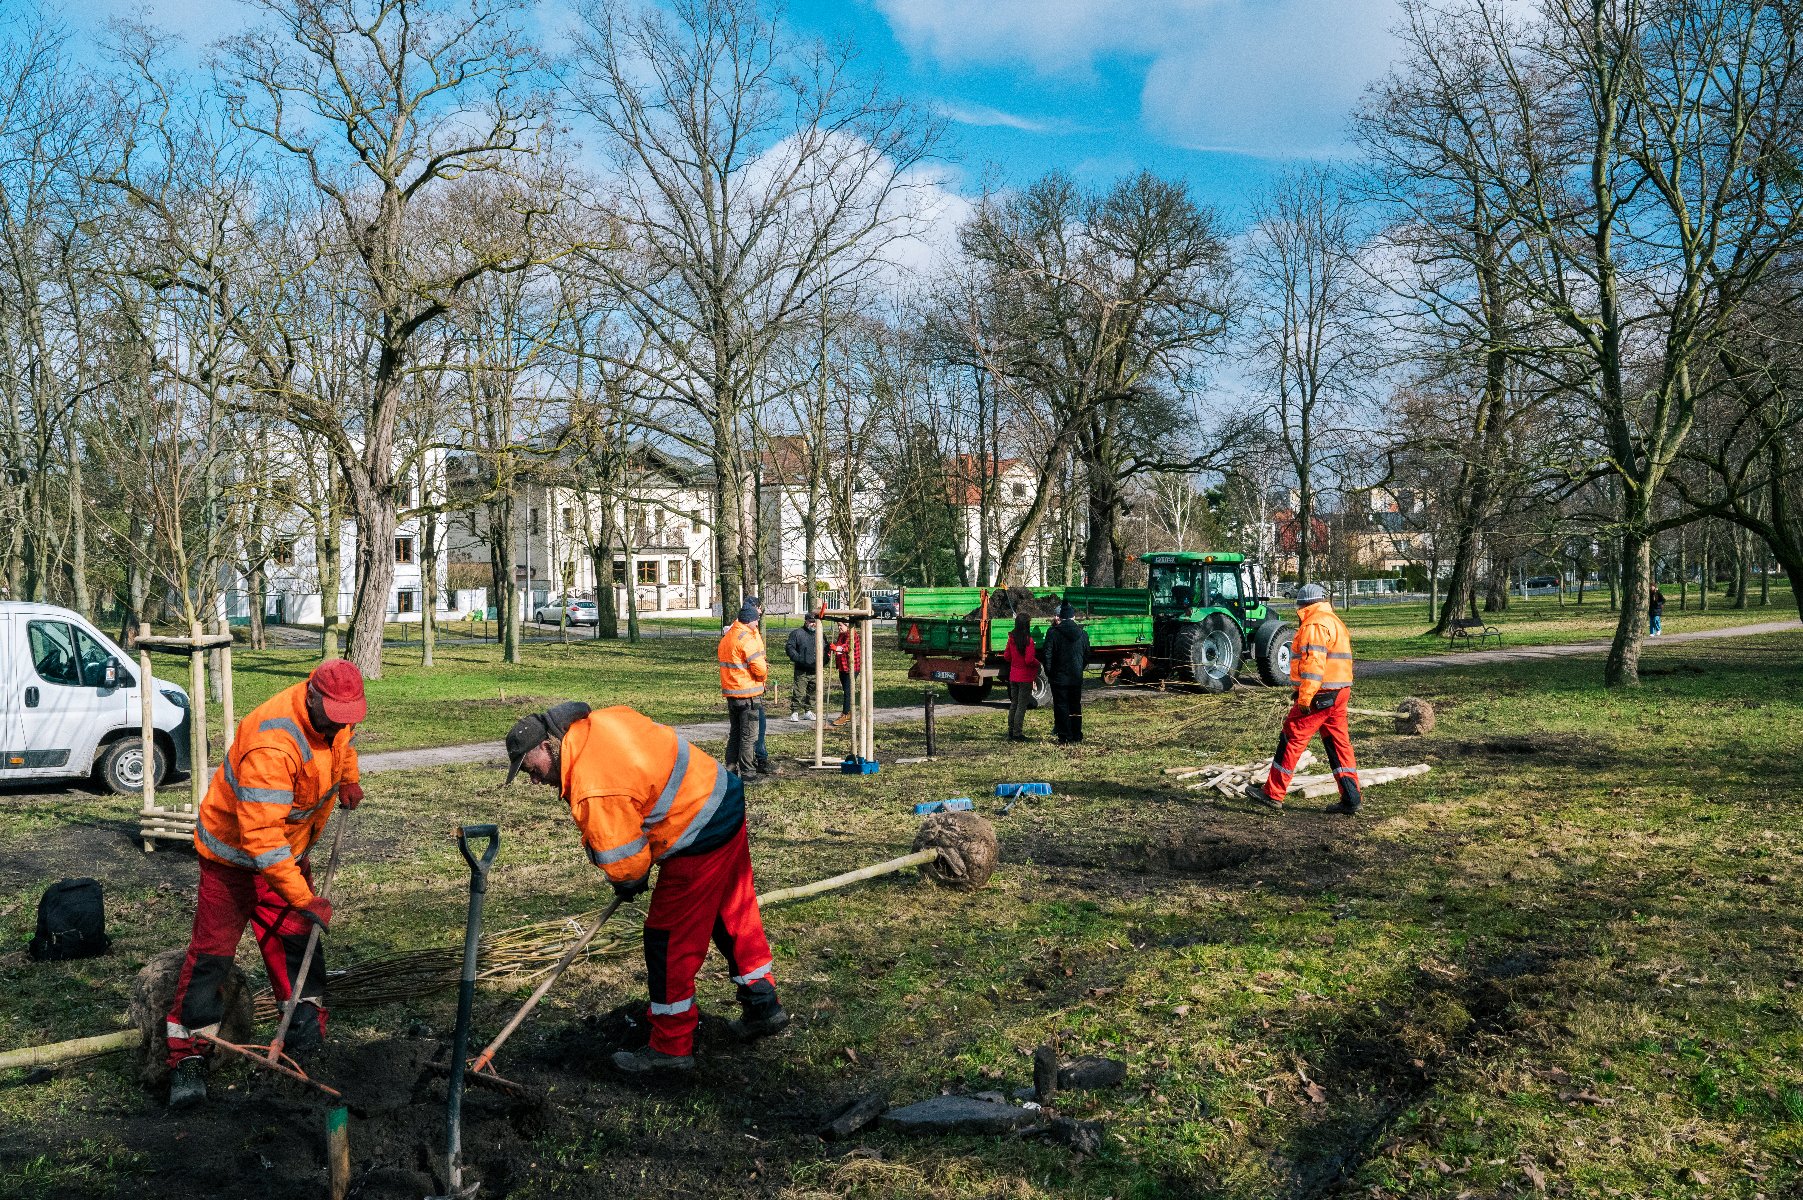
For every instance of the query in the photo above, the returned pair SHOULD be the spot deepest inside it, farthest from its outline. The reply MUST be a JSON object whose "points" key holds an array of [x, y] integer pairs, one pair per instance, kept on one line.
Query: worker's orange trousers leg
{"points": [[1299, 727], [230, 899], [706, 896]]}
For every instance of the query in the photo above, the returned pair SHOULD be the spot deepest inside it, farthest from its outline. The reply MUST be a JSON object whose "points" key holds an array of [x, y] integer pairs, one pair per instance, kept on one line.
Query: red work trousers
{"points": [[698, 897], [1301, 724], [230, 899]]}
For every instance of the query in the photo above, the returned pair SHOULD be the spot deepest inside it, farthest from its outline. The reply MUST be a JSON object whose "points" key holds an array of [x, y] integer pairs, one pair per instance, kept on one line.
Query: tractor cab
{"points": [[1208, 617]]}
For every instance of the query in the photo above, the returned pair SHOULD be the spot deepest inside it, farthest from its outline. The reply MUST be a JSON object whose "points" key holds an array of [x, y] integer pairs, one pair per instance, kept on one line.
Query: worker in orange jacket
{"points": [[1321, 669], [744, 673], [292, 761], [642, 796]]}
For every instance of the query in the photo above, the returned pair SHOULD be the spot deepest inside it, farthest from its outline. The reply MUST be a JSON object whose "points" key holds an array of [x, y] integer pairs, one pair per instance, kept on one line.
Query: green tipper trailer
{"points": [[1199, 619]]}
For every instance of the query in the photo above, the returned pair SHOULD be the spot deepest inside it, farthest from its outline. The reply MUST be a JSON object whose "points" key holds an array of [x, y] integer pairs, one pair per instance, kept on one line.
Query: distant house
{"points": [[1011, 486]]}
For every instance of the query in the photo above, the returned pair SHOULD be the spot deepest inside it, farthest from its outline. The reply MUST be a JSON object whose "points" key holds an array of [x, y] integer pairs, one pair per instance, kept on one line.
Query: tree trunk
{"points": [[259, 598], [1742, 551], [632, 591], [1623, 666], [81, 601], [1683, 572], [326, 559], [428, 586], [500, 559]]}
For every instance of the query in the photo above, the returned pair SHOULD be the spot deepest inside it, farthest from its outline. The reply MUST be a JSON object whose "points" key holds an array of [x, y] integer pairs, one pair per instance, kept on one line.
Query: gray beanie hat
{"points": [[1310, 593]]}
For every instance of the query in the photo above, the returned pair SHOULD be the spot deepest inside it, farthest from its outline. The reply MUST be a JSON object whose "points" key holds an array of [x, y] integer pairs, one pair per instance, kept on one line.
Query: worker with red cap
{"points": [[292, 761], [642, 797]]}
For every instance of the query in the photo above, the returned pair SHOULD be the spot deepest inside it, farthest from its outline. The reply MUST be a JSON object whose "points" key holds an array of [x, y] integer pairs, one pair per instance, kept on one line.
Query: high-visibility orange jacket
{"points": [[274, 792], [1321, 653], [640, 793], [743, 668]]}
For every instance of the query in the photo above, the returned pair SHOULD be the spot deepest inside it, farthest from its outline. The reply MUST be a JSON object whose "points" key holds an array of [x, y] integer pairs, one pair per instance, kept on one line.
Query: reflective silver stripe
{"points": [[270, 858], [667, 797], [703, 817], [292, 730], [733, 663], [252, 795], [743, 693], [171, 1029], [1311, 675], [1345, 771], [748, 976], [1333, 687], [755, 657], [671, 1010], [1313, 646], [1342, 657], [602, 858], [230, 854]]}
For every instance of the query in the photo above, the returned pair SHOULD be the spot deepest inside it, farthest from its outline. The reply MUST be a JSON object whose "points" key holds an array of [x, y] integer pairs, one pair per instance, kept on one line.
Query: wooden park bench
{"points": [[1472, 629]]}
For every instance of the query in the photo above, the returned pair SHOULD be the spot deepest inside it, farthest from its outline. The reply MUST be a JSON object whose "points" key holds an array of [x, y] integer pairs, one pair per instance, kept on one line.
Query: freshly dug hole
{"points": [[153, 991], [967, 849]]}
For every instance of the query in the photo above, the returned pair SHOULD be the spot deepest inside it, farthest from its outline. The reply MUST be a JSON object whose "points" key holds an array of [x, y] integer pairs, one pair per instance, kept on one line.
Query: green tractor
{"points": [[1208, 618]]}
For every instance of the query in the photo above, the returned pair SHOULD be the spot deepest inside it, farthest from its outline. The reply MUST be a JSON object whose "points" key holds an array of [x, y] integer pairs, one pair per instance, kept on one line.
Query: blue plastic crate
{"points": [[1023, 789], [955, 804], [853, 765]]}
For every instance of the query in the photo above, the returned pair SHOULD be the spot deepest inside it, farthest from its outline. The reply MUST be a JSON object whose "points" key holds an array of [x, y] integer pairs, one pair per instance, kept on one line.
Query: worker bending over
{"points": [[291, 763], [642, 796], [1321, 669]]}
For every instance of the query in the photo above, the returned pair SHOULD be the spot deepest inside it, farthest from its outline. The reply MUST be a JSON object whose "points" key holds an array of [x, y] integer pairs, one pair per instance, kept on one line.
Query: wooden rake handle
{"points": [[300, 977]]}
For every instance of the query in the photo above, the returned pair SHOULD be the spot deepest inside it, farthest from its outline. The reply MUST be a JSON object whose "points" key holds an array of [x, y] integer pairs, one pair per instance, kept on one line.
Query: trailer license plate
{"points": [[951, 676]]}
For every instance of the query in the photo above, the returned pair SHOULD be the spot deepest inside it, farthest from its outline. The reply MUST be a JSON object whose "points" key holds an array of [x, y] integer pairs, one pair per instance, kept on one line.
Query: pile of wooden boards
{"points": [[170, 824], [1230, 779]]}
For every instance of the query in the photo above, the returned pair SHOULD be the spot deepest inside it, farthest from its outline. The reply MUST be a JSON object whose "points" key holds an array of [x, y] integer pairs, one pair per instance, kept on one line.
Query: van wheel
{"points": [[121, 767]]}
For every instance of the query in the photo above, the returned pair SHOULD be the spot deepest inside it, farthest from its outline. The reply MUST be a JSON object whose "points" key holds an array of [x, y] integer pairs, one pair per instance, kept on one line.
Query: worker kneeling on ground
{"points": [[1321, 669], [644, 797], [290, 764]]}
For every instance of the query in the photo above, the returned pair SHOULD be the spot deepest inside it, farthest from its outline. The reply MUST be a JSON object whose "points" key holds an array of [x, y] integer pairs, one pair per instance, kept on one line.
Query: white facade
{"points": [[1015, 486]]}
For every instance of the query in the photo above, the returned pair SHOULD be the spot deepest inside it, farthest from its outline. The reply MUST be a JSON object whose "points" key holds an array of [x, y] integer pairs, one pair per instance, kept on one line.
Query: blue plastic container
{"points": [[955, 804], [853, 765], [1023, 789]]}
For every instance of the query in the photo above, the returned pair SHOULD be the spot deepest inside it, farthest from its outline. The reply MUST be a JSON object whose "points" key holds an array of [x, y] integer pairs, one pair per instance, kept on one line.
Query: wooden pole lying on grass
{"points": [[61, 1052], [838, 881]]}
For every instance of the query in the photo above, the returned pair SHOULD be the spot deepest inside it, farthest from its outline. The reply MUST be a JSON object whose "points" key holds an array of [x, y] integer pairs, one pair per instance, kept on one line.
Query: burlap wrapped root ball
{"points": [[1414, 715], [153, 991], [967, 849]]}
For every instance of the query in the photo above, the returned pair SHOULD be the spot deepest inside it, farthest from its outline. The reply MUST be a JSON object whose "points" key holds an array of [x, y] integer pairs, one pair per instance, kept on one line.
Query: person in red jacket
{"points": [[1021, 659], [847, 657]]}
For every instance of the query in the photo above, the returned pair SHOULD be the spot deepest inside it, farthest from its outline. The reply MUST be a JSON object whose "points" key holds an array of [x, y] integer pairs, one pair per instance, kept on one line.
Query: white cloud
{"points": [[1255, 76], [982, 114]]}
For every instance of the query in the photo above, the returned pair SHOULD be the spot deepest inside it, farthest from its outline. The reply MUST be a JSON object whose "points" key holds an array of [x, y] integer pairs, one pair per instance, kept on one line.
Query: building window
{"points": [[282, 553], [620, 571], [569, 520], [1020, 491], [404, 600], [647, 571], [674, 575], [532, 524], [403, 550]]}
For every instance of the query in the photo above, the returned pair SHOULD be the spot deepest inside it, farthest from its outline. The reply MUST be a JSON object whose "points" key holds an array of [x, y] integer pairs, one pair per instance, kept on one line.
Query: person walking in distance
{"points": [[800, 649], [291, 762], [1021, 659], [643, 797], [1655, 607], [1321, 670], [744, 673], [847, 657], [1065, 653]]}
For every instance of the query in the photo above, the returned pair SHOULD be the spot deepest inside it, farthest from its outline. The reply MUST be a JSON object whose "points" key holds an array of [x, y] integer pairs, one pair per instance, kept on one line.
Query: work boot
{"points": [[1347, 805], [651, 1062], [304, 1040], [188, 1083], [1256, 793], [767, 767], [841, 719], [748, 1028]]}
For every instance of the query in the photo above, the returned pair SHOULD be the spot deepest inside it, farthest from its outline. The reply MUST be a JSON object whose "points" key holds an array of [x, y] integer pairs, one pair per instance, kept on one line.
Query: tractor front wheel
{"points": [[1210, 652], [1271, 647]]}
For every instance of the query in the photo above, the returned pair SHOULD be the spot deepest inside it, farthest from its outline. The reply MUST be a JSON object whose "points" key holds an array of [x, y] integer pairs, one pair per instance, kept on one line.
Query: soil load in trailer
{"points": [[1200, 620]]}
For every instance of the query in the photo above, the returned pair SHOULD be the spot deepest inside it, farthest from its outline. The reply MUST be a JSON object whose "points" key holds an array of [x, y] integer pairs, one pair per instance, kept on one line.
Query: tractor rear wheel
{"points": [[1210, 652], [970, 693], [1271, 647]]}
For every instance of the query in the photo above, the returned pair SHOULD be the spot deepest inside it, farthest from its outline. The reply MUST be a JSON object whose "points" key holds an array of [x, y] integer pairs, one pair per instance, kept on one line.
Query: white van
{"points": [[69, 705]]}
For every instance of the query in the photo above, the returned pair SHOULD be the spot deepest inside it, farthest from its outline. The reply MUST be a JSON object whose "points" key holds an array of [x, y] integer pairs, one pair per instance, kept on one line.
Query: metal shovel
{"points": [[466, 994]]}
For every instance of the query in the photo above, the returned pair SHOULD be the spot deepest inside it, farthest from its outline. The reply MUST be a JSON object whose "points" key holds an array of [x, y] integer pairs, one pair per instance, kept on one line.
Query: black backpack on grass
{"points": [[71, 921]]}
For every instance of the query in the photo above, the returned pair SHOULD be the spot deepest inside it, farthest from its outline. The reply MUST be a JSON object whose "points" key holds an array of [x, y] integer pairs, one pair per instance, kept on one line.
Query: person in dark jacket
{"points": [[800, 649], [1022, 659], [1065, 652], [1655, 611]]}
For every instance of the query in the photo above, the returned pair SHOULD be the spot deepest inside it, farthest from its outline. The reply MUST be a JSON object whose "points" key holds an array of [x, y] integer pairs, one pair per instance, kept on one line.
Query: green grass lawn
{"points": [[1566, 961], [1395, 630]]}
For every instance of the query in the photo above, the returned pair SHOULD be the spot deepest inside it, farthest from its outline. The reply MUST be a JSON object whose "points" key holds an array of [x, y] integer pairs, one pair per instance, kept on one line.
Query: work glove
{"points": [[350, 795], [1322, 702], [626, 891], [1295, 695], [319, 911]]}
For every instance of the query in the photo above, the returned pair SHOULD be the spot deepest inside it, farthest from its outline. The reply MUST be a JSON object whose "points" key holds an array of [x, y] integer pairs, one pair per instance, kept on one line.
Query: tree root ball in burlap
{"points": [[967, 849], [1414, 715], [151, 995]]}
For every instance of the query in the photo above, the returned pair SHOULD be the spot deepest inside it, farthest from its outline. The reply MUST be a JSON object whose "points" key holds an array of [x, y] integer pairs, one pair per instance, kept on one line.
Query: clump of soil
{"points": [[1012, 602], [152, 994], [967, 849]]}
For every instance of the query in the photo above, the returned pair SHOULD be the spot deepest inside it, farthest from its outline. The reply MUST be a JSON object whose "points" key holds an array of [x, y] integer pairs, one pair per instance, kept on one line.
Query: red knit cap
{"points": [[340, 687]]}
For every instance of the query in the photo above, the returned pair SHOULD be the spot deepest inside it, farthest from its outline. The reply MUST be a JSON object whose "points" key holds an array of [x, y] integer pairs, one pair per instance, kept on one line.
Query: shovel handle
{"points": [[479, 865]]}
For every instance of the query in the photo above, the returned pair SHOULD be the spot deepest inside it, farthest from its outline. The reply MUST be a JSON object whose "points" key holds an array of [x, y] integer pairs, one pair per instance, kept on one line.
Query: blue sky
{"points": [[1222, 93]]}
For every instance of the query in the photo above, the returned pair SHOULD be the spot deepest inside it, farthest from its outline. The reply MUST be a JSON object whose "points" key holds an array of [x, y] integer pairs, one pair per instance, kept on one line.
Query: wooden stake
{"points": [[147, 727], [197, 715], [338, 1149], [819, 692], [228, 723]]}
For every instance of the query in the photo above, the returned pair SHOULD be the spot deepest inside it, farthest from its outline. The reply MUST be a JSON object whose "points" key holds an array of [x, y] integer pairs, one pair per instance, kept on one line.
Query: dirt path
{"points": [[490, 752]]}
